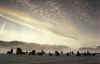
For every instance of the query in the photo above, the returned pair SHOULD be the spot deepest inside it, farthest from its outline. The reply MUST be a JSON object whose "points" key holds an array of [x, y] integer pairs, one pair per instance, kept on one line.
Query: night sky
{"points": [[73, 23]]}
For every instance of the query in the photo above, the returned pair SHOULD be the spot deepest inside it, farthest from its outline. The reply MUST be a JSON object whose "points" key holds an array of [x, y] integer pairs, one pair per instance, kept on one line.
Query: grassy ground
{"points": [[49, 59]]}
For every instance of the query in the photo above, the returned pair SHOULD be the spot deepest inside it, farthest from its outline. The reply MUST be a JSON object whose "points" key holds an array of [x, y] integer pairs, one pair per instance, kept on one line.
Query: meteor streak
{"points": [[35, 25], [29, 22], [3, 27]]}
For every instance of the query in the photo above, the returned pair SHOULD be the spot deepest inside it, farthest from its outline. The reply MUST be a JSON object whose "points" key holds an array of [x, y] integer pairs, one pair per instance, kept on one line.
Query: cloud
{"points": [[67, 22]]}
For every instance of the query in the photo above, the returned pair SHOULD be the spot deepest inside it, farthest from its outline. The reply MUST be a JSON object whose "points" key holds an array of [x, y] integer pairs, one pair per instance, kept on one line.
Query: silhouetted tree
{"points": [[50, 54], [10, 52], [26, 52], [33, 52], [57, 53], [68, 54], [72, 53], [41, 53], [62, 53], [19, 51], [78, 53], [85, 54], [93, 54]]}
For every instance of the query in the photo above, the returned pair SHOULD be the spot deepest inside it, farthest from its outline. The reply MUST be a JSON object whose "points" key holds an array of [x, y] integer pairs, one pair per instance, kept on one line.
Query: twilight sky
{"points": [[73, 23]]}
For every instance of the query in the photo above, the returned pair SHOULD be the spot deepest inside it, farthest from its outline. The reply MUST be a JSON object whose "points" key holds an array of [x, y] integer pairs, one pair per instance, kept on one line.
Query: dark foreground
{"points": [[4, 59]]}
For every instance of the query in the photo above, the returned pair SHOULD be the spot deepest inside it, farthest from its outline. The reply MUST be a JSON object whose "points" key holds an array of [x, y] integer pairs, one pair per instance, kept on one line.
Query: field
{"points": [[4, 59]]}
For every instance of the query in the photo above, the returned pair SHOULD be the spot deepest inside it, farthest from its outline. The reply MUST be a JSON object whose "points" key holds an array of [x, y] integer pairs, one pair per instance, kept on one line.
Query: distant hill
{"points": [[10, 43], [30, 46], [98, 47]]}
